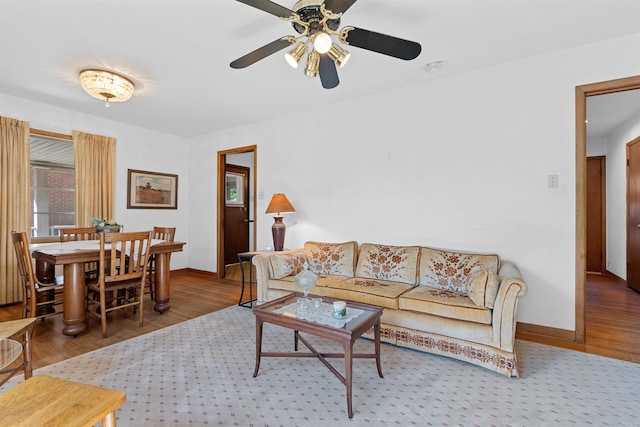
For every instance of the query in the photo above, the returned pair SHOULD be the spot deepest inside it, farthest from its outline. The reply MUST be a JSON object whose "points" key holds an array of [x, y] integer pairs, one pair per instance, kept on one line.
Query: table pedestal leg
{"points": [[163, 290], [74, 316]]}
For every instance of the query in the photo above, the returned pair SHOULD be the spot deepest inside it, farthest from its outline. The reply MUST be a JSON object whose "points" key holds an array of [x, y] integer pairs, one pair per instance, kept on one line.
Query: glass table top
{"points": [[9, 351], [356, 313]]}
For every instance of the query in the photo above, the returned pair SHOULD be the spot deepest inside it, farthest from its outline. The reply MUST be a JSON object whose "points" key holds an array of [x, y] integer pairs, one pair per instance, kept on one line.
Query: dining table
{"points": [[73, 255]]}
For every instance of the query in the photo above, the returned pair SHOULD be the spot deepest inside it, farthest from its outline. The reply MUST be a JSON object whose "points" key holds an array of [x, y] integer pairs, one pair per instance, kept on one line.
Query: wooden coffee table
{"points": [[282, 312]]}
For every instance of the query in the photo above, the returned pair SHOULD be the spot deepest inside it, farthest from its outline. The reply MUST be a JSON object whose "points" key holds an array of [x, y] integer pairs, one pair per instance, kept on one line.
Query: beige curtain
{"points": [[14, 201], [95, 164]]}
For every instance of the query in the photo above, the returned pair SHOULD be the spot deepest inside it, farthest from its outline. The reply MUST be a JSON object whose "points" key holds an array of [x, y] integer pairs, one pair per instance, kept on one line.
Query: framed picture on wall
{"points": [[233, 189], [152, 190]]}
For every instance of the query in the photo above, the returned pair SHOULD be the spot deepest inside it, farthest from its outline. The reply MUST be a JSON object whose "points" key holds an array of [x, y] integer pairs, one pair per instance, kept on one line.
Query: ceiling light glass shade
{"points": [[105, 85], [322, 42], [339, 55], [294, 56], [313, 64]]}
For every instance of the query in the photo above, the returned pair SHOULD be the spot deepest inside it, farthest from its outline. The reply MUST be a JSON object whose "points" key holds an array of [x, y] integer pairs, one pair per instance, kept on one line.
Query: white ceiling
{"points": [[177, 52]]}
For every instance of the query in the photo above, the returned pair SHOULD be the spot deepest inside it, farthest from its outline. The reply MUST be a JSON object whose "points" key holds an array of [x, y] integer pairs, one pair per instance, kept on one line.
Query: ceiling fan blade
{"points": [[328, 72], [261, 53], [381, 43], [269, 7], [338, 6]]}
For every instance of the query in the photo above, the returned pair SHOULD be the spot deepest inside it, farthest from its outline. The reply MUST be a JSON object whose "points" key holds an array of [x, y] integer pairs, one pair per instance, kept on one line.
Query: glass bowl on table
{"points": [[306, 280]]}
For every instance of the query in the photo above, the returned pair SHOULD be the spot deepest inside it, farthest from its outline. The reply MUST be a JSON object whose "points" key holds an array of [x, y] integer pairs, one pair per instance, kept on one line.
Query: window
{"points": [[52, 184]]}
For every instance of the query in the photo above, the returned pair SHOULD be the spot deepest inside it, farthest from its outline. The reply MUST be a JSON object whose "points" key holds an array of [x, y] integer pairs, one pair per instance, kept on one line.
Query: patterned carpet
{"points": [[200, 373]]}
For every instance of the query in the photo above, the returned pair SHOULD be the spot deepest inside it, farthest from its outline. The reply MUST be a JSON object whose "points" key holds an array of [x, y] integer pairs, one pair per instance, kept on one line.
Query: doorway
{"points": [[582, 92], [236, 167], [633, 214], [236, 212]]}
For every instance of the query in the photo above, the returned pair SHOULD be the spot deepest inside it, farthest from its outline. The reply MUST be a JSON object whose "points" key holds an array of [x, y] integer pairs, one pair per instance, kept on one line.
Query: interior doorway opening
{"points": [[582, 92], [240, 198]]}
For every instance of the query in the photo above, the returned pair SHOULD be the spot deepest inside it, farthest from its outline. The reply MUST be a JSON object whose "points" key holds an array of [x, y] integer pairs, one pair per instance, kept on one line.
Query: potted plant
{"points": [[106, 226]]}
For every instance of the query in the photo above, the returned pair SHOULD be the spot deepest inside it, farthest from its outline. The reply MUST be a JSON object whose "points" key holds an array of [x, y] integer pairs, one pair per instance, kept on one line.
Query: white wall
{"points": [[617, 195], [596, 146], [136, 148], [457, 163]]}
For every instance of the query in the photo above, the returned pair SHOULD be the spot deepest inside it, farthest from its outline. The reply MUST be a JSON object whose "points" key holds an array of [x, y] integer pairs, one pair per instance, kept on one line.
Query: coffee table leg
{"points": [[376, 334], [348, 366], [259, 324], [295, 340]]}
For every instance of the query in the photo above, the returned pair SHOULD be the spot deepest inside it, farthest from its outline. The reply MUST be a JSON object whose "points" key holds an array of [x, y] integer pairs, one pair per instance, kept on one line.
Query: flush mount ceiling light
{"points": [[106, 85], [316, 21]]}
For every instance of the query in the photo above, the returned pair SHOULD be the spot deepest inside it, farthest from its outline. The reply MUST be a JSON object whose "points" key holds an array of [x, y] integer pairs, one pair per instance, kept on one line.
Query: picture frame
{"points": [[151, 190], [234, 189]]}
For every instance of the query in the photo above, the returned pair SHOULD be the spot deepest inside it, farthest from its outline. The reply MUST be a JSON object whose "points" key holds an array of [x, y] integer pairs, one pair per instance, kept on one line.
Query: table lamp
{"points": [[278, 205]]}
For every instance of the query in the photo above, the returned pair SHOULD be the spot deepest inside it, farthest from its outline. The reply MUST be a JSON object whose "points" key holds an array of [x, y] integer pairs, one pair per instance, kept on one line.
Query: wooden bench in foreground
{"points": [[43, 400]]}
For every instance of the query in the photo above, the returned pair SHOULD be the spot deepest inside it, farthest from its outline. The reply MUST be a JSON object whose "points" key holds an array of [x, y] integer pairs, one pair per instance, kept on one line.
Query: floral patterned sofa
{"points": [[455, 304]]}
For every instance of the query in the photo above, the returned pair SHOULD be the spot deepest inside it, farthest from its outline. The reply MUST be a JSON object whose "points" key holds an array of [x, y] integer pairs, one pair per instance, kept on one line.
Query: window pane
{"points": [[52, 186]]}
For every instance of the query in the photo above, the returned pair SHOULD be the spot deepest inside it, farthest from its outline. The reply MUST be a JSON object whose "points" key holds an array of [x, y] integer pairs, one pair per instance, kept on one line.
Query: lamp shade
{"points": [[279, 204]]}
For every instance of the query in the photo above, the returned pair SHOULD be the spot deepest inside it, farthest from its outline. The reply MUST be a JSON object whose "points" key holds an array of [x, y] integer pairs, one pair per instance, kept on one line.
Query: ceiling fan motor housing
{"points": [[311, 13]]}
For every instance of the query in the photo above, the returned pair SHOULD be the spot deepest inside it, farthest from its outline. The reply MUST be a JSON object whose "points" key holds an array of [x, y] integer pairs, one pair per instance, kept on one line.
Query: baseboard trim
{"points": [[531, 332], [203, 273], [615, 278]]}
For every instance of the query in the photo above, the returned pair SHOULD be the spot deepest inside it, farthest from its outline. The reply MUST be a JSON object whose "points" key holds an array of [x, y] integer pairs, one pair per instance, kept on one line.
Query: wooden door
{"points": [[633, 214], [236, 212], [596, 234]]}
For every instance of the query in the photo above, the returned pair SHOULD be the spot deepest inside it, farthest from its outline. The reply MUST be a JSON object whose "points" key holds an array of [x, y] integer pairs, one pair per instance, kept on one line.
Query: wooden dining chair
{"points": [[82, 233], [161, 233], [39, 299], [78, 233], [124, 259]]}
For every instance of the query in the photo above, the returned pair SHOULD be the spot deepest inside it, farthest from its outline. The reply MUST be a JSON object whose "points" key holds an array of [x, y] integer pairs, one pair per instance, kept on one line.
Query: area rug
{"points": [[199, 372]]}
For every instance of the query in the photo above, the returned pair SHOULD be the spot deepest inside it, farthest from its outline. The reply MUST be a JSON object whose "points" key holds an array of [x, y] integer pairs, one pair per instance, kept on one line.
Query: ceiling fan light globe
{"points": [[322, 42], [339, 55], [294, 56]]}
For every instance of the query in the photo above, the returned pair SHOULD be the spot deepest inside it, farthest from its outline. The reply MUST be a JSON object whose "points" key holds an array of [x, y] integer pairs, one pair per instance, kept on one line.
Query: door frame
{"points": [[582, 92], [222, 160], [629, 225]]}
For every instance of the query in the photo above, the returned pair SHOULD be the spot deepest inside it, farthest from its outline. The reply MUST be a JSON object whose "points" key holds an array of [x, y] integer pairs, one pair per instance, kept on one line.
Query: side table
{"points": [[21, 331], [242, 258]]}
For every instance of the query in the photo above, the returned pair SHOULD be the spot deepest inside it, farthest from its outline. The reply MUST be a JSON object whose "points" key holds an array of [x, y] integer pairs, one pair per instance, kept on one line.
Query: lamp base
{"points": [[277, 230]]}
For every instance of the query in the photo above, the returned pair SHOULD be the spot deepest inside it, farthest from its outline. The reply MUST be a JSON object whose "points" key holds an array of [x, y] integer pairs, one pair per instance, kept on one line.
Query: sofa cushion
{"points": [[393, 263], [331, 258], [439, 302], [288, 284], [448, 270], [283, 265], [482, 286], [375, 292]]}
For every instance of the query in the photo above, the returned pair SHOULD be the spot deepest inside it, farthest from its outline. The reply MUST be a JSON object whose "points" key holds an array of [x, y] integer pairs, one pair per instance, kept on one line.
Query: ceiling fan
{"points": [[316, 21]]}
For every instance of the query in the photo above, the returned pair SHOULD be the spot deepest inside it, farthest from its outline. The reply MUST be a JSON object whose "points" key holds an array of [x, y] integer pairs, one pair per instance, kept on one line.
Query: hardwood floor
{"points": [[192, 295], [612, 319]]}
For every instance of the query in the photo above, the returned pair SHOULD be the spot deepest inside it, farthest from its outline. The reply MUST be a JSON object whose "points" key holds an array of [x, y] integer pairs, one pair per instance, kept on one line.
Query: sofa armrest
{"points": [[263, 272], [512, 286]]}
